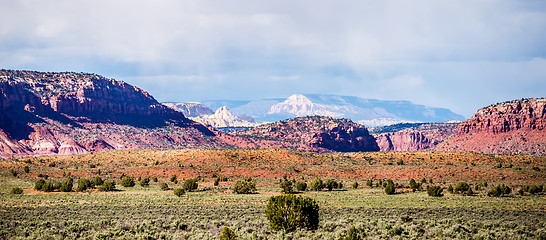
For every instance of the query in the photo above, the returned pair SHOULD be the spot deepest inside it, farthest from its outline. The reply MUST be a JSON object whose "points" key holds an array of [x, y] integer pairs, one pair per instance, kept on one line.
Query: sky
{"points": [[462, 55]]}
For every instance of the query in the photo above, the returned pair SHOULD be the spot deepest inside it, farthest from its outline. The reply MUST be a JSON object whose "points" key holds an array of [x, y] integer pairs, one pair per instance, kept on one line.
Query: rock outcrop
{"points": [[223, 118], [413, 136], [190, 109], [511, 127], [319, 134], [74, 113]]}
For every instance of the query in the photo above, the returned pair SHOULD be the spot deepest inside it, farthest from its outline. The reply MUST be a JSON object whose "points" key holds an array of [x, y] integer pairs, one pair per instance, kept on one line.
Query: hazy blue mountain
{"points": [[370, 112]]}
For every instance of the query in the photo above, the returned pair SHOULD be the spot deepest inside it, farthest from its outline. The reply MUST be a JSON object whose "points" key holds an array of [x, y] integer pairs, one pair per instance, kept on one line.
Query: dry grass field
{"points": [[151, 213]]}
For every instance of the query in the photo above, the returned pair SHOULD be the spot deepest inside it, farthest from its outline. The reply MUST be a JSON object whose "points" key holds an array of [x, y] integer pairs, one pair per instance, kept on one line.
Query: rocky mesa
{"points": [[517, 126], [316, 133], [72, 113], [413, 136]]}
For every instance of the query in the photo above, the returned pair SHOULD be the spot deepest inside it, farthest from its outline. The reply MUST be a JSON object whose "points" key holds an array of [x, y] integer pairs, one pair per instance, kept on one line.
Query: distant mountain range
{"points": [[369, 112]]}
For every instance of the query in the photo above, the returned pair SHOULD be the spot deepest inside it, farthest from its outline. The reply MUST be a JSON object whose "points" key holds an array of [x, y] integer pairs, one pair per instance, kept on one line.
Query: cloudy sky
{"points": [[462, 55]]}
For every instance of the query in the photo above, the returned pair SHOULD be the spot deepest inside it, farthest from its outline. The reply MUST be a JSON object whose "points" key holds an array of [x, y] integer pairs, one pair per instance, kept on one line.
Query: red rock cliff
{"points": [[511, 127]]}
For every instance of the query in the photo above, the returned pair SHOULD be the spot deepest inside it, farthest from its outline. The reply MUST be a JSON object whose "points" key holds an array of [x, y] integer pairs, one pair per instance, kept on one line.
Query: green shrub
{"points": [[173, 178], [333, 184], [450, 189], [301, 186], [127, 182], [246, 186], [435, 191], [26, 169], [190, 185], [108, 186], [84, 184], [355, 185], [39, 184], [216, 181], [179, 192], [414, 185], [92, 166], [144, 182], [352, 234], [369, 183], [536, 169], [48, 187], [163, 186], [390, 189], [97, 181], [228, 234], [13, 172], [462, 188], [534, 189], [16, 190], [154, 178], [499, 190], [286, 186], [289, 212], [67, 185], [316, 184]]}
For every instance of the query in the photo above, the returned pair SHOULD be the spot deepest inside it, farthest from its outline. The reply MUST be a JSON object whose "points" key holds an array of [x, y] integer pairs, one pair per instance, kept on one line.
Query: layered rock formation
{"points": [[511, 127], [320, 134], [414, 137], [73, 113]]}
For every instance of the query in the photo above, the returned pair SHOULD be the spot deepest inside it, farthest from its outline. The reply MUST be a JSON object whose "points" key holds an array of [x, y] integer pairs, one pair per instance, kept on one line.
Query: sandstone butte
{"points": [[419, 138], [510, 127], [74, 113]]}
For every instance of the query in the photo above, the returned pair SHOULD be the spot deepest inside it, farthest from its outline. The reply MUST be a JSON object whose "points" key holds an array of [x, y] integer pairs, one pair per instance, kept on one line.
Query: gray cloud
{"points": [[457, 54]]}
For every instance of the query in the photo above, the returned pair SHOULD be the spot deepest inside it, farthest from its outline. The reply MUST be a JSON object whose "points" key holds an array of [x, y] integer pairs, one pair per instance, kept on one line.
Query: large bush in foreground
{"points": [[289, 212]]}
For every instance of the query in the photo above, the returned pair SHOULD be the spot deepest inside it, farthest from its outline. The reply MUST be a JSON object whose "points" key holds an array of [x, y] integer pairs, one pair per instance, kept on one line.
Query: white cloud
{"points": [[247, 49]]}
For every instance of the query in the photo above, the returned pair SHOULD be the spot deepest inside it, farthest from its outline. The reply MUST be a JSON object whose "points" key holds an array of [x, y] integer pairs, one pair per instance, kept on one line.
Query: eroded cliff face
{"points": [[511, 127], [319, 134], [74, 113], [422, 136]]}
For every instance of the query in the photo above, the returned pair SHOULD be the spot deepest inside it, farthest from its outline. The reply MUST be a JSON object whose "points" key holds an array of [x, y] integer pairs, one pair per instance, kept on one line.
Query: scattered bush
{"points": [[286, 186], [369, 183], [316, 184], [164, 186], [92, 166], [462, 188], [13, 172], [289, 212], [435, 191], [26, 169], [84, 184], [536, 169], [228, 234], [144, 182], [179, 192], [390, 189], [98, 181], [245, 186], [39, 184], [16, 190], [450, 189], [533, 189], [67, 185], [108, 186], [499, 190], [414, 185], [190, 185], [352, 234], [154, 178], [173, 178], [333, 184], [127, 182], [52, 164], [355, 185], [301, 186]]}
